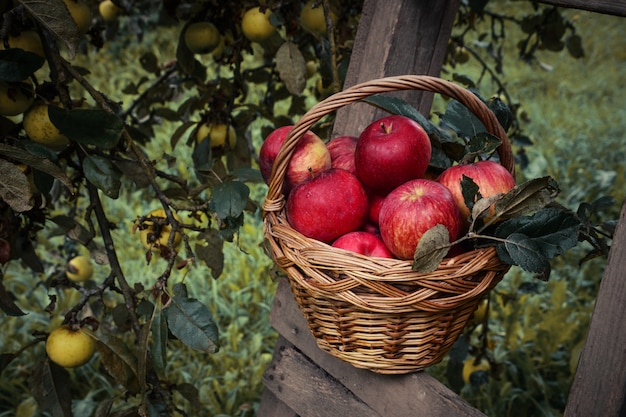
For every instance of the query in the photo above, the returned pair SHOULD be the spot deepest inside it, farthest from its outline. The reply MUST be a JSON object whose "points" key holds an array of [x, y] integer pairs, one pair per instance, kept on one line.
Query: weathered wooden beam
{"points": [[599, 387], [614, 7], [409, 395], [272, 406], [307, 389], [396, 37]]}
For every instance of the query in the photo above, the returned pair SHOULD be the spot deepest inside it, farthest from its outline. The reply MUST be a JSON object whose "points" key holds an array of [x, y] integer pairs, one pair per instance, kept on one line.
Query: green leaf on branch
{"points": [[119, 361], [17, 64], [553, 230], [461, 120], [531, 241], [291, 67], [192, 323], [483, 143], [50, 385], [470, 191], [523, 252], [229, 199], [502, 111], [212, 253], [431, 249], [158, 344], [88, 126], [103, 174]]}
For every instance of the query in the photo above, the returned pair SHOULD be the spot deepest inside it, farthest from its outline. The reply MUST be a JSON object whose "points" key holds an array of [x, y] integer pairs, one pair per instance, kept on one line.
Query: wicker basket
{"points": [[377, 313]]}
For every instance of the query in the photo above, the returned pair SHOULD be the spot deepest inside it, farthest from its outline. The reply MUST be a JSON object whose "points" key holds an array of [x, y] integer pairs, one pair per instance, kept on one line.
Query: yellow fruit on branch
{"points": [[108, 10], [79, 268], [256, 25], [40, 129], [313, 19], [471, 365], [16, 98], [69, 348], [219, 134], [80, 14], [28, 40], [155, 231], [202, 37]]}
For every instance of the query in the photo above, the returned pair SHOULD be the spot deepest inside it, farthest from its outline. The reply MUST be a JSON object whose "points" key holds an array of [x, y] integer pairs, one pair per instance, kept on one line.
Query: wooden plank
{"points": [[614, 7], [599, 386], [396, 37], [307, 389], [271, 406], [407, 395]]}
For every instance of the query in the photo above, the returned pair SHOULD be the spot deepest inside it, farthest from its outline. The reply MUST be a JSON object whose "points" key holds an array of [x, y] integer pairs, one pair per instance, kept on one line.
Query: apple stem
{"points": [[386, 128]]}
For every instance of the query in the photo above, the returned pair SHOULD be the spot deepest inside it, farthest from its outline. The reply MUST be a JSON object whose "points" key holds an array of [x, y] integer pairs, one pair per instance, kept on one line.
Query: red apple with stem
{"points": [[341, 151], [414, 208], [390, 152], [330, 205], [310, 157], [490, 177], [364, 243]]}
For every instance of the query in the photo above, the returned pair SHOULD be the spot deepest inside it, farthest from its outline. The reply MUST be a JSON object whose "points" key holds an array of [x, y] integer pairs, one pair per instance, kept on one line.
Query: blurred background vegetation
{"points": [[573, 111]]}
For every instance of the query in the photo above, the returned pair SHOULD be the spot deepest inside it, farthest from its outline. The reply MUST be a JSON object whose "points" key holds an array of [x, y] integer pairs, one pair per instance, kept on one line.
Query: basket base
{"points": [[383, 343]]}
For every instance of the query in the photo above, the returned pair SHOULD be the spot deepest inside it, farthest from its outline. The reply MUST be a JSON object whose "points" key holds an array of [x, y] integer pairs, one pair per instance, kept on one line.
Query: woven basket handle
{"points": [[275, 198]]}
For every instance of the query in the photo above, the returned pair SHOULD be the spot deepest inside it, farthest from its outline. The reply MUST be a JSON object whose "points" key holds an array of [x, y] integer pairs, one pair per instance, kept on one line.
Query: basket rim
{"points": [[275, 199]]}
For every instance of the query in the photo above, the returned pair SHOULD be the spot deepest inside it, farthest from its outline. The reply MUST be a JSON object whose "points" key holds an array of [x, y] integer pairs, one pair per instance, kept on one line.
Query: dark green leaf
{"points": [[552, 230], [180, 290], [192, 323], [470, 191], [464, 79], [119, 361], [88, 126], [483, 143], [526, 254], [158, 345], [103, 174], [502, 111], [50, 385], [17, 64], [431, 249], [229, 199], [458, 118], [7, 303], [229, 226], [212, 252], [574, 46]]}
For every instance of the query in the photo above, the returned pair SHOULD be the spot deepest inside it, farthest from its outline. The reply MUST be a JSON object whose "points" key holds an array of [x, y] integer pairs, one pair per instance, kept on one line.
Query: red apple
{"points": [[412, 209], [491, 178], [341, 151], [390, 152], [375, 201], [330, 205], [364, 243], [309, 158]]}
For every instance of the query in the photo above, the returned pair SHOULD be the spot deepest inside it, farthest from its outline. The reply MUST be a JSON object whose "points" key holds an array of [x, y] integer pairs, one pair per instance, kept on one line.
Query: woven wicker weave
{"points": [[377, 313]]}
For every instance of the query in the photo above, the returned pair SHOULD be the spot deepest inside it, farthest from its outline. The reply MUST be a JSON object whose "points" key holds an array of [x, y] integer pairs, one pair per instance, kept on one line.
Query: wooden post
{"points": [[396, 38], [599, 387]]}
